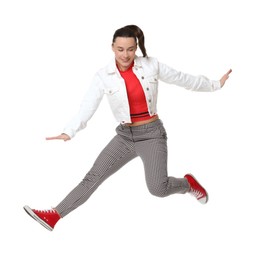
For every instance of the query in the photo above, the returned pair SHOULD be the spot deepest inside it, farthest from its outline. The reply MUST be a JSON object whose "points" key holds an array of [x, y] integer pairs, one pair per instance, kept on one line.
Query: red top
{"points": [[136, 96]]}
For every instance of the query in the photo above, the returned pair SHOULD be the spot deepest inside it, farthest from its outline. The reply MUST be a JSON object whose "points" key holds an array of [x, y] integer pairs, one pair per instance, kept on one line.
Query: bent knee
{"points": [[158, 192]]}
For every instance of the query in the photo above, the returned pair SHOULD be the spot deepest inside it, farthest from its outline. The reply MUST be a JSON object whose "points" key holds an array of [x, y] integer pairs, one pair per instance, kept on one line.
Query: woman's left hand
{"points": [[224, 78]]}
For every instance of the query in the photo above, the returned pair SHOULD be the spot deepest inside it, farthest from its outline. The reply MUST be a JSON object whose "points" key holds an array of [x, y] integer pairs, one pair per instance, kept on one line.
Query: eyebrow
{"points": [[119, 47]]}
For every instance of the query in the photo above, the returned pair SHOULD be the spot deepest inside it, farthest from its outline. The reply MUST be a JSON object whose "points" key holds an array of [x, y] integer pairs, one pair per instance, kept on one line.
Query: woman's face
{"points": [[125, 50]]}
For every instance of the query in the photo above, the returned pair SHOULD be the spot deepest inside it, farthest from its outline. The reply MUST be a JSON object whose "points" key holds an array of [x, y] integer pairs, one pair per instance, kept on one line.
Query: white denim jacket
{"points": [[149, 71]]}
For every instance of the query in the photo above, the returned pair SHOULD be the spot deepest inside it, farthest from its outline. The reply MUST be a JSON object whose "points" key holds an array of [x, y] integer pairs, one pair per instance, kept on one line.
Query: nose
{"points": [[125, 54]]}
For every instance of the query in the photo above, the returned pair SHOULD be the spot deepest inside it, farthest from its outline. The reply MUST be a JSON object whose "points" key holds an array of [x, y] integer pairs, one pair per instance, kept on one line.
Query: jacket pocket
{"points": [[113, 96], [152, 82], [153, 79], [111, 91], [151, 87]]}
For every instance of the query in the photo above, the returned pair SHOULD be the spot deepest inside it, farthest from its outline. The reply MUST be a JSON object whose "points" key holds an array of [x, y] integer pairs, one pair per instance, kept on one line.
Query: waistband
{"points": [[142, 127]]}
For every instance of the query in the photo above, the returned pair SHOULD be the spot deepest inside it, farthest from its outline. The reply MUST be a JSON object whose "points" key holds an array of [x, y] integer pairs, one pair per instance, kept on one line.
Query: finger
{"points": [[54, 138], [229, 72]]}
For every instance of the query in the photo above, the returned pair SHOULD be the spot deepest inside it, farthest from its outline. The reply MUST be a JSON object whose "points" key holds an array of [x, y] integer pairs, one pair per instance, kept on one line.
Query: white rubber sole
{"points": [[30, 212]]}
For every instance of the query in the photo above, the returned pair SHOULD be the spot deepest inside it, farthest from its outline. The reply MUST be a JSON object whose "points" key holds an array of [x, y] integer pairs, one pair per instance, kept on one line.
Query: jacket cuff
{"points": [[69, 132], [216, 85]]}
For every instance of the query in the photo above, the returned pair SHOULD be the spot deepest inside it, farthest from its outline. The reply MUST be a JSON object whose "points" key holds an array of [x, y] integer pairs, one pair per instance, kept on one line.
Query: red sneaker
{"points": [[196, 189], [47, 218]]}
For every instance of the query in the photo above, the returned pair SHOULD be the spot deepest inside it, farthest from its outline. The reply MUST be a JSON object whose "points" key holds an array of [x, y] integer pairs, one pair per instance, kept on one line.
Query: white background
{"points": [[49, 53]]}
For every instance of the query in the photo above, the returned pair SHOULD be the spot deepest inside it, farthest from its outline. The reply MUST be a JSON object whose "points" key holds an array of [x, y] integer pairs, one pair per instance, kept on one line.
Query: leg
{"points": [[116, 154], [153, 152]]}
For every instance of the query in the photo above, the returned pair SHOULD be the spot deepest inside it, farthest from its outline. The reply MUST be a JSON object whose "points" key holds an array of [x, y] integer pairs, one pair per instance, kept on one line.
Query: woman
{"points": [[130, 84]]}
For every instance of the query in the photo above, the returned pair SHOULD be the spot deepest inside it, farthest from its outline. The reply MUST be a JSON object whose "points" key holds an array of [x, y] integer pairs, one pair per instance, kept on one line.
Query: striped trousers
{"points": [[149, 142]]}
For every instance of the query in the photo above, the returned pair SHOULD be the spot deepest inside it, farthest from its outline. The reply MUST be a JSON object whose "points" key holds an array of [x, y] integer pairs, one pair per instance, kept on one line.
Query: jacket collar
{"points": [[112, 69]]}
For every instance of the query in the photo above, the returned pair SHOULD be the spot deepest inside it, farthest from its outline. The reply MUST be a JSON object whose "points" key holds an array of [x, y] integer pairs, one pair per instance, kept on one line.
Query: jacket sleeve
{"points": [[189, 82], [88, 106]]}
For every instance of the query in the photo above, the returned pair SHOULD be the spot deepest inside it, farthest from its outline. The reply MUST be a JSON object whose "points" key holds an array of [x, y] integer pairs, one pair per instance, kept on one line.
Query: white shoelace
{"points": [[196, 193], [46, 211]]}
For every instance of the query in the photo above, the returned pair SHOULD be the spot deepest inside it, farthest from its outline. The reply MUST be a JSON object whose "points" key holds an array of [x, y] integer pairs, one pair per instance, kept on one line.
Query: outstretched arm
{"points": [[190, 82], [88, 107], [224, 78]]}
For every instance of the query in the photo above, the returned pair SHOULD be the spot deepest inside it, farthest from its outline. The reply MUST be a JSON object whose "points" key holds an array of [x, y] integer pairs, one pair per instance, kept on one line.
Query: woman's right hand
{"points": [[63, 136], [225, 78]]}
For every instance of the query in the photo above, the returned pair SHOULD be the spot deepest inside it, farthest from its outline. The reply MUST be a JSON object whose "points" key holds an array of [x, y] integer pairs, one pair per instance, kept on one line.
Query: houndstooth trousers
{"points": [[149, 142]]}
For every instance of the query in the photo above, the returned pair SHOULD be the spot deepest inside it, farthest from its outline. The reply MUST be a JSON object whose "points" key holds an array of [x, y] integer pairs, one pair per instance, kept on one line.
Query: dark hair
{"points": [[132, 31]]}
